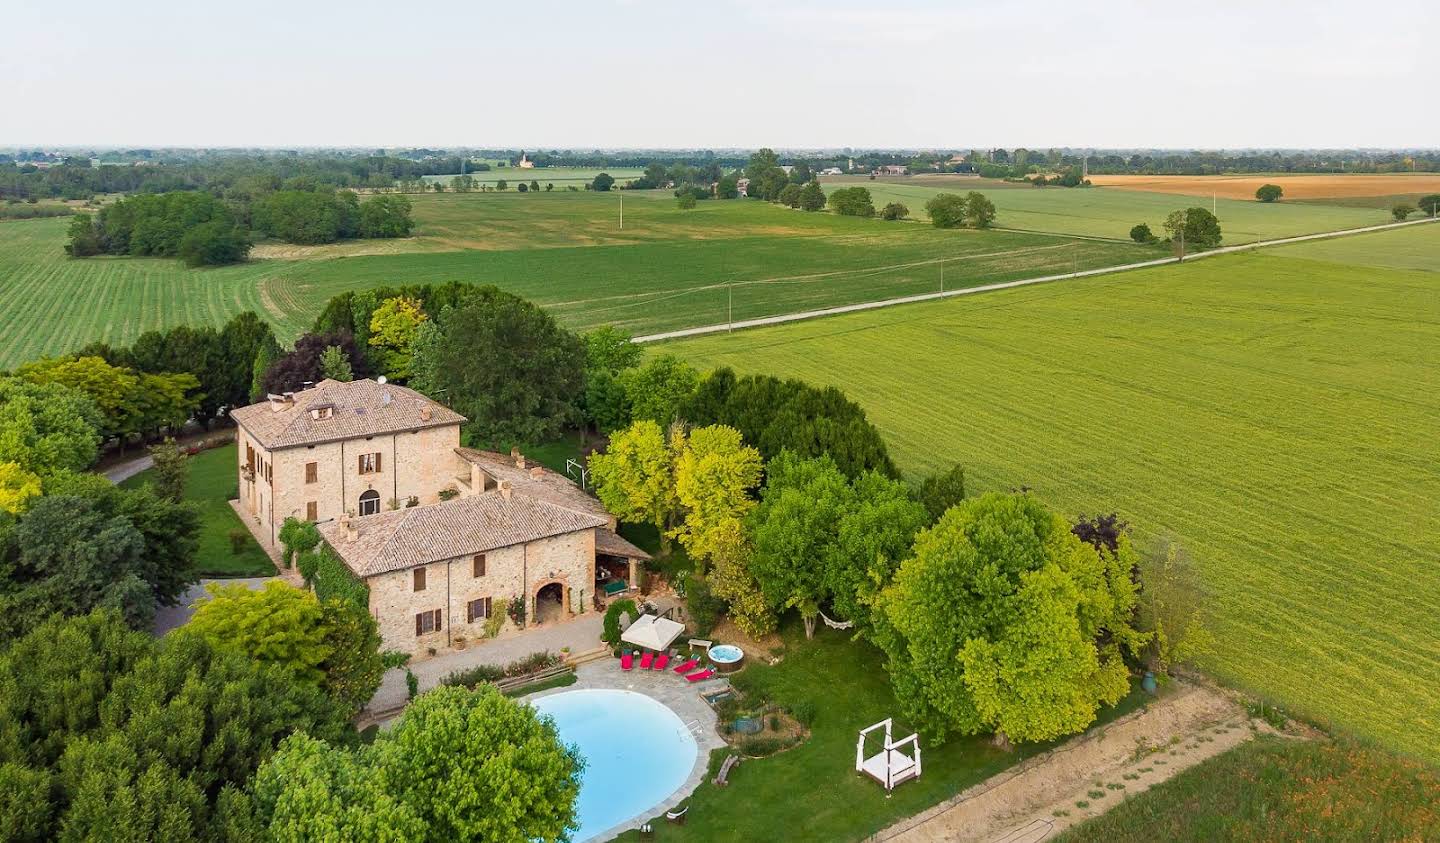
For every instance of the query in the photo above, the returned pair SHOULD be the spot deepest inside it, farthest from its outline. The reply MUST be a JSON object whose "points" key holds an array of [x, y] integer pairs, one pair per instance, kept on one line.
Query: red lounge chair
{"points": [[645, 661], [662, 660], [627, 660], [687, 666], [700, 677]]}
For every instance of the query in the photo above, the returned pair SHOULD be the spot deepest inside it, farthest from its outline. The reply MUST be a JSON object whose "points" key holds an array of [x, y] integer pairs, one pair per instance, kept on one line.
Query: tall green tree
{"points": [[714, 475], [170, 470], [635, 478], [852, 202], [1269, 192], [392, 334], [1197, 228], [1004, 621], [458, 765], [241, 341], [278, 625], [48, 427], [335, 366], [112, 734], [505, 364], [658, 389], [812, 198]]}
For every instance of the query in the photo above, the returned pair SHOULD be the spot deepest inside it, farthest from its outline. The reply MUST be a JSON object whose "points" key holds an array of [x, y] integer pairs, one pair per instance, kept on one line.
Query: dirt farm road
{"points": [[1035, 800]]}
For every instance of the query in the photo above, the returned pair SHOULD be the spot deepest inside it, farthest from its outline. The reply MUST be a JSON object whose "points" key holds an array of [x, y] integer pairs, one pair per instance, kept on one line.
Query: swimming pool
{"points": [[637, 752]]}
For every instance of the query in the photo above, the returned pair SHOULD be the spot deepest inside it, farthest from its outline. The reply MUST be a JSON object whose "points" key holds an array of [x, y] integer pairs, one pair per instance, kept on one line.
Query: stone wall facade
{"points": [[416, 463], [450, 586]]}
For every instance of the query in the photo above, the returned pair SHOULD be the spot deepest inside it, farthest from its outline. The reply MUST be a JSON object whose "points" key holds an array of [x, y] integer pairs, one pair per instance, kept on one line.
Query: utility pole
{"points": [[942, 276], [1183, 220], [621, 194], [729, 307]]}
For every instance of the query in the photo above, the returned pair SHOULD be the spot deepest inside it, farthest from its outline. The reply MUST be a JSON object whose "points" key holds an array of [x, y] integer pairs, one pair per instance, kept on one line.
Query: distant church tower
{"points": [[525, 162]]}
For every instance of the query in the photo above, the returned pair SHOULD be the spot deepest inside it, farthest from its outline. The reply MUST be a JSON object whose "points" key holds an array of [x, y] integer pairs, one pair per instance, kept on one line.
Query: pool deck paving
{"points": [[670, 690]]}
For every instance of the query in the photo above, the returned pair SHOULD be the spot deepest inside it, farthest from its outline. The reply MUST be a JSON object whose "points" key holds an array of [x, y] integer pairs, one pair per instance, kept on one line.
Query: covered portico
{"points": [[617, 564]]}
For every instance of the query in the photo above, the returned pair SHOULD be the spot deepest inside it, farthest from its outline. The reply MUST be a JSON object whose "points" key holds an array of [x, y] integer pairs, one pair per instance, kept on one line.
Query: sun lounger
{"points": [[627, 660], [700, 677], [662, 660], [686, 666], [645, 661]]}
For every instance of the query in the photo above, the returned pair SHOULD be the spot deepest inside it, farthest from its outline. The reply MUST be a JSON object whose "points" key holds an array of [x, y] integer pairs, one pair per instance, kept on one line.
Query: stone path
{"points": [[1039, 797], [579, 634]]}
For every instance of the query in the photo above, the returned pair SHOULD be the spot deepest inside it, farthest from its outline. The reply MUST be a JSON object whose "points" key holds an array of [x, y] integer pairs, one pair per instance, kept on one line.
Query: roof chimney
{"points": [[518, 457], [280, 402], [505, 489], [424, 409], [536, 472], [348, 528]]}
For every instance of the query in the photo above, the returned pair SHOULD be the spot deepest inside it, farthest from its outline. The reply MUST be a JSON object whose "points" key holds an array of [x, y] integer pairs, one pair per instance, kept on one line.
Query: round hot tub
{"points": [[727, 657]]}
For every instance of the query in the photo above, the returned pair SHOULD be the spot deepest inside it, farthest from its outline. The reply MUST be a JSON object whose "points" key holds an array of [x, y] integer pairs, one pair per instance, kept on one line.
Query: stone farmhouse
{"points": [[445, 538]]}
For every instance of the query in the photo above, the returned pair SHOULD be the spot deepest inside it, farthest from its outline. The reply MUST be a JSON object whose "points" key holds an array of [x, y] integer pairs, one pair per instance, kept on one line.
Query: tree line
{"points": [[204, 230]]}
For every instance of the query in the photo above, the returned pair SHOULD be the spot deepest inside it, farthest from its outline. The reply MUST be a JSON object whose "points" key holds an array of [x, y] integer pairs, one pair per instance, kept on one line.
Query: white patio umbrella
{"points": [[652, 632]]}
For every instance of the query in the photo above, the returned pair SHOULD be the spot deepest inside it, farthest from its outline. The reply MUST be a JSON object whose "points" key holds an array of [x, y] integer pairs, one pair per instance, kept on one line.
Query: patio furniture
{"points": [[650, 632], [687, 666], [614, 587], [722, 778], [677, 817], [627, 660], [646, 660], [700, 642], [662, 660], [700, 676]]}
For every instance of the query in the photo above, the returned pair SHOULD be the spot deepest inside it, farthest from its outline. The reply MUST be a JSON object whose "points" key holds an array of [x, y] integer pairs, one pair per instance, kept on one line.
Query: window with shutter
{"points": [[419, 579], [478, 565], [312, 511], [312, 472], [477, 609], [427, 622]]}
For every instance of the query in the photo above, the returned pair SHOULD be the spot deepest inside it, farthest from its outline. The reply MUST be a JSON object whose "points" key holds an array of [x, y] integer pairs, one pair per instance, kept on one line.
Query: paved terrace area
{"points": [[579, 634]]}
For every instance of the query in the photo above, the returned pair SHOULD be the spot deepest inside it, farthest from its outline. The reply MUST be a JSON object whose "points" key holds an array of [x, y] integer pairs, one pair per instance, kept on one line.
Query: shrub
{"points": [[1142, 234], [611, 634], [759, 747], [894, 211], [297, 536], [239, 538], [1401, 211], [686, 201], [516, 611], [412, 684], [704, 607], [447, 494], [804, 712], [1269, 192]]}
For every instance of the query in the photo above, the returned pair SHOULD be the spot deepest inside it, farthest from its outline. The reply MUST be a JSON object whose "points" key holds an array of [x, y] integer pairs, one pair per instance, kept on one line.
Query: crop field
{"points": [[1297, 186], [1278, 416], [561, 177], [1110, 212], [1412, 247], [666, 269]]}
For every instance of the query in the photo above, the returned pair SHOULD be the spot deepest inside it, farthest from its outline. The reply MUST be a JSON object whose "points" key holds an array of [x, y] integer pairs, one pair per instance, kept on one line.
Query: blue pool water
{"points": [[637, 752]]}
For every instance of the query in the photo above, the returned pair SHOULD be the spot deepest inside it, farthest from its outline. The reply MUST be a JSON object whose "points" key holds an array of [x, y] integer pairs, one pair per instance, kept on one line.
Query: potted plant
{"points": [[459, 641]]}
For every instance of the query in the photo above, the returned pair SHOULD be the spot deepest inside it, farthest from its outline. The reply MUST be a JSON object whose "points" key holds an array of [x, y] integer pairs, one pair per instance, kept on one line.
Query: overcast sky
{"points": [[722, 73]]}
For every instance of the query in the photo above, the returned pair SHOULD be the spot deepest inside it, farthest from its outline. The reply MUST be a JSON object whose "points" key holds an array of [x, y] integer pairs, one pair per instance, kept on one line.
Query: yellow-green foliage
{"points": [[279, 624], [1276, 417]]}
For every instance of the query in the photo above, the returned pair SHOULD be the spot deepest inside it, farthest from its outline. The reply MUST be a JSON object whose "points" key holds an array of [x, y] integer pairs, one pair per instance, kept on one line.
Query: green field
{"points": [[1279, 789], [1279, 416], [666, 269], [211, 486], [561, 177], [1110, 212]]}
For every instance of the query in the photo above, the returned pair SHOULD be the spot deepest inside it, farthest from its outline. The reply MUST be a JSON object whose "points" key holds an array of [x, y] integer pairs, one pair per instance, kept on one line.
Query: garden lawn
{"points": [[1112, 211], [1279, 417], [1278, 789], [210, 488], [812, 792]]}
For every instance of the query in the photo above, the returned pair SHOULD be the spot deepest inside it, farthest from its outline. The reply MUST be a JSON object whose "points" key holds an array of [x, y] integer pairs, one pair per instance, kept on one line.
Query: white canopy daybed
{"points": [[652, 632]]}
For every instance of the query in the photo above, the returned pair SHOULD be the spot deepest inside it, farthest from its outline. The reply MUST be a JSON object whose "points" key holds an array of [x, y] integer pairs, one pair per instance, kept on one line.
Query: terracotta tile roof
{"points": [[612, 544], [544, 484], [358, 408], [405, 538]]}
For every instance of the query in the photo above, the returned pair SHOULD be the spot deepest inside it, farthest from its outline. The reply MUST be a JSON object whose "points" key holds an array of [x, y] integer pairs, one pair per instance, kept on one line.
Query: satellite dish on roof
{"points": [[380, 379]]}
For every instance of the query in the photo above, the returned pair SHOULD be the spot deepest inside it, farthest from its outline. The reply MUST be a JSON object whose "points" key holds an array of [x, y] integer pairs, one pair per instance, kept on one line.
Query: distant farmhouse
{"points": [[892, 170], [444, 537]]}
